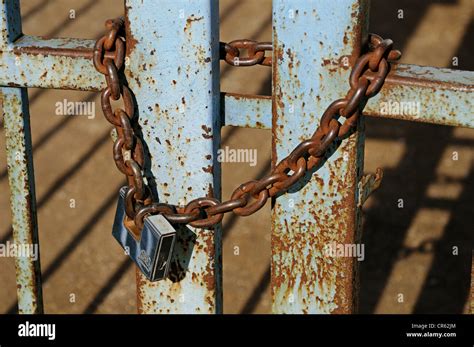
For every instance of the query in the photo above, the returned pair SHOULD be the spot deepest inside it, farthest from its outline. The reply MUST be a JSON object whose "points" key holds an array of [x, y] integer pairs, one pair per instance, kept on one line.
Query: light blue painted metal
{"points": [[22, 199], [309, 38], [10, 23], [29, 61], [20, 173], [50, 63], [174, 73], [444, 97], [443, 94], [426, 94], [248, 111], [173, 46]]}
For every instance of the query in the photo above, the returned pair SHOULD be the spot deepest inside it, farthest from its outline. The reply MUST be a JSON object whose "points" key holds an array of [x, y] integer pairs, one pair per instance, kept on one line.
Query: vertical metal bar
{"points": [[312, 42], [10, 22], [173, 51], [20, 172], [22, 198]]}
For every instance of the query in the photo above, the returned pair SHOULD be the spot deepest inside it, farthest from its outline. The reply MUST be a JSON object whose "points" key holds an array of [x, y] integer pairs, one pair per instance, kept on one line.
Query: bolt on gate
{"points": [[172, 67]]}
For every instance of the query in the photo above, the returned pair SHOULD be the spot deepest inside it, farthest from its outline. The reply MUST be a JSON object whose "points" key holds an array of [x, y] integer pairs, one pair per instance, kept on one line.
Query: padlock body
{"points": [[152, 251], [156, 246]]}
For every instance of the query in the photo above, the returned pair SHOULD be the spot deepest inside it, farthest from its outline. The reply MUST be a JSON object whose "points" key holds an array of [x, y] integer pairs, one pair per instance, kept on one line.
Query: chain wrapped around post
{"points": [[249, 197], [128, 149]]}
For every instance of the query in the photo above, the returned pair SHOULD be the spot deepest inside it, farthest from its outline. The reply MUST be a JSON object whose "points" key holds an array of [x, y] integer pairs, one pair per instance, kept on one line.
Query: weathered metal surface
{"points": [[50, 63], [426, 94], [29, 61], [444, 95], [65, 63], [65, 47], [251, 196], [22, 198], [323, 209], [248, 111], [173, 48], [10, 22], [368, 184]]}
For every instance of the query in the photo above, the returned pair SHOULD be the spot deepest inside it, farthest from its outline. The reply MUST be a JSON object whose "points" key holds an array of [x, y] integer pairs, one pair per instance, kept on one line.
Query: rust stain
{"points": [[208, 169], [189, 22], [210, 191], [277, 101], [140, 293], [207, 132], [208, 276], [194, 19], [131, 42]]}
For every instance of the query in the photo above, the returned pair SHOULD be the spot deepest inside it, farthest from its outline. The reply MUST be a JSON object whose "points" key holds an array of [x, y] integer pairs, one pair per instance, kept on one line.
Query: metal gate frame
{"points": [[183, 107]]}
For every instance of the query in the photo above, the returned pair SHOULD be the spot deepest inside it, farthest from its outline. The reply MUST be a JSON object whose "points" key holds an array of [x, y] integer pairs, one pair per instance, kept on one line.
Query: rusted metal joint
{"points": [[368, 184]]}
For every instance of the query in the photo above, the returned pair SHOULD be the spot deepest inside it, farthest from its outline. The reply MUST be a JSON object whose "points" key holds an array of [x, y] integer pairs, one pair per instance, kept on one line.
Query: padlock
{"points": [[152, 249]]}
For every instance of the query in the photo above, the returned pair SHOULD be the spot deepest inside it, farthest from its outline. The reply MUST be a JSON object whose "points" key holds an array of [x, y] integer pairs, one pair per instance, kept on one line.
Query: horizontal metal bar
{"points": [[439, 96], [411, 92], [67, 47], [248, 111], [426, 94], [33, 61]]}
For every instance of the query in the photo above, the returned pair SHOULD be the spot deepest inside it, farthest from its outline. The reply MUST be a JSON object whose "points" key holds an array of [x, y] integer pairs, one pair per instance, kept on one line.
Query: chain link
{"points": [[128, 151], [231, 53], [249, 197]]}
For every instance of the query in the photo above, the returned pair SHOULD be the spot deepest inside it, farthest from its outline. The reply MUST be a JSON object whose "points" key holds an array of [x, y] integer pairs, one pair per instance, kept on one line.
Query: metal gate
{"points": [[314, 46]]}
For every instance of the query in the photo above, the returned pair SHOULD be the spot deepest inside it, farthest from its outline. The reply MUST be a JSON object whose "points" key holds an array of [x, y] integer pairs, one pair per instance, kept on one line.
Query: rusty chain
{"points": [[128, 149], [249, 197], [231, 53]]}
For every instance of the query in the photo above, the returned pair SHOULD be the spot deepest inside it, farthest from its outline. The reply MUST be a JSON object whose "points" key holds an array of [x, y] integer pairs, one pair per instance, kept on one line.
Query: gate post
{"points": [[315, 44], [22, 197], [173, 69], [20, 171]]}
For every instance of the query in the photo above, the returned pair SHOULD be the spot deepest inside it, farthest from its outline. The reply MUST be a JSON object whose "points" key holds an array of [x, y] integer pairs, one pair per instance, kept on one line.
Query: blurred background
{"points": [[409, 251]]}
